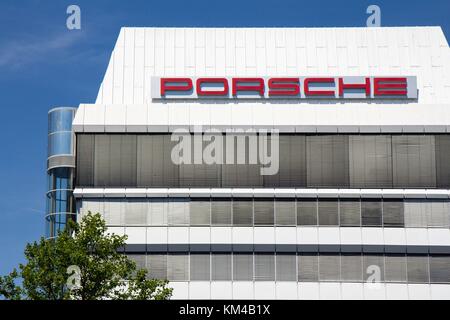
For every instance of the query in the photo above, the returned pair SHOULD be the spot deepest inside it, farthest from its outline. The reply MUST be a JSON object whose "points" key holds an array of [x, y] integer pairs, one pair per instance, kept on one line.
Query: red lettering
{"points": [[259, 87], [343, 86], [309, 92], [284, 87], [390, 86], [182, 85], [202, 92]]}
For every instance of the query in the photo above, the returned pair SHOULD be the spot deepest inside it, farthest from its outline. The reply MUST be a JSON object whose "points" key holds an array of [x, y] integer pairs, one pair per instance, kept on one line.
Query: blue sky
{"points": [[43, 65]]}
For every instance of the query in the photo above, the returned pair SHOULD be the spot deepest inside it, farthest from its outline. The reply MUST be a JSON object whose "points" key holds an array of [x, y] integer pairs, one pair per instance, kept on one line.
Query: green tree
{"points": [[83, 263]]}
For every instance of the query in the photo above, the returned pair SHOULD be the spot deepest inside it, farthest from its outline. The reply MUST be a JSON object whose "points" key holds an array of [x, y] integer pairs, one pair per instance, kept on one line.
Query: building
{"points": [[358, 207]]}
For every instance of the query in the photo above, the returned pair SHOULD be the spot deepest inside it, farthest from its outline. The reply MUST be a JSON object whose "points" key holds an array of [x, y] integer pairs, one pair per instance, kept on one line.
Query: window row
{"points": [[270, 212], [353, 161], [291, 267]]}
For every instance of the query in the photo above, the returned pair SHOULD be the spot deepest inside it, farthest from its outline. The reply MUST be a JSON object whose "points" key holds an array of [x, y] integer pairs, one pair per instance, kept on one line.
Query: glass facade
{"points": [[242, 212], [315, 161], [297, 266], [60, 203]]}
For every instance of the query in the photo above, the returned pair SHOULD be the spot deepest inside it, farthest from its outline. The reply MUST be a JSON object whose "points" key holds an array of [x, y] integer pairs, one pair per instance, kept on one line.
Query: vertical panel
{"points": [[351, 267], [285, 212], [200, 212], [157, 266], [307, 212], [329, 267], [177, 267], [442, 161], [327, 161], [350, 212], [308, 267], [115, 212], [413, 161], [221, 267], [418, 271], [242, 212], [242, 267], [157, 212], [395, 268], [328, 212], [415, 213], [440, 269], [114, 161], [286, 267], [85, 160], [136, 212], [264, 267], [439, 214], [393, 215], [264, 212], [128, 157], [102, 161], [200, 267], [221, 212], [370, 161], [178, 212], [371, 215]]}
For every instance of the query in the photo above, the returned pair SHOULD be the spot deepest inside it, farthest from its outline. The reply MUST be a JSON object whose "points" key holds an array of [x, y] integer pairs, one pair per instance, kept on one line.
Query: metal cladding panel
{"points": [[144, 54]]}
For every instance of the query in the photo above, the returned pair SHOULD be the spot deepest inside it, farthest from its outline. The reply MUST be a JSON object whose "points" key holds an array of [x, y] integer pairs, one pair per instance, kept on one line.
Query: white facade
{"points": [[124, 105]]}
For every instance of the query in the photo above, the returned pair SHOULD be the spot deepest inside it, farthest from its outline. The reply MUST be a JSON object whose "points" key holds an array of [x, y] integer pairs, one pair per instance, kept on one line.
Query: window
{"points": [[395, 268], [157, 212], [292, 163], [371, 213], [286, 267], [440, 214], [264, 212], [264, 267], [336, 160], [200, 267], [442, 160], [415, 213], [327, 161], [157, 266], [351, 267], [307, 212], [200, 212], [285, 212], [115, 212], [139, 260], [370, 161], [350, 212], [178, 212], [177, 267], [242, 212], [393, 213], [418, 269], [328, 212], [440, 269], [414, 162], [329, 267], [135, 212], [308, 267], [221, 267], [221, 212], [242, 267]]}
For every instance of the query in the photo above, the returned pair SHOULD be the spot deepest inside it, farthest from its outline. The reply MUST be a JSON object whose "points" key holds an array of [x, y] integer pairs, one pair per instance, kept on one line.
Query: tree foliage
{"points": [[83, 263]]}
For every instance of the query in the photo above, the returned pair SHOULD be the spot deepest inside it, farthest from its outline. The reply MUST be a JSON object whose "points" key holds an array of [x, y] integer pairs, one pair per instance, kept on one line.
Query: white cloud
{"points": [[23, 52]]}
